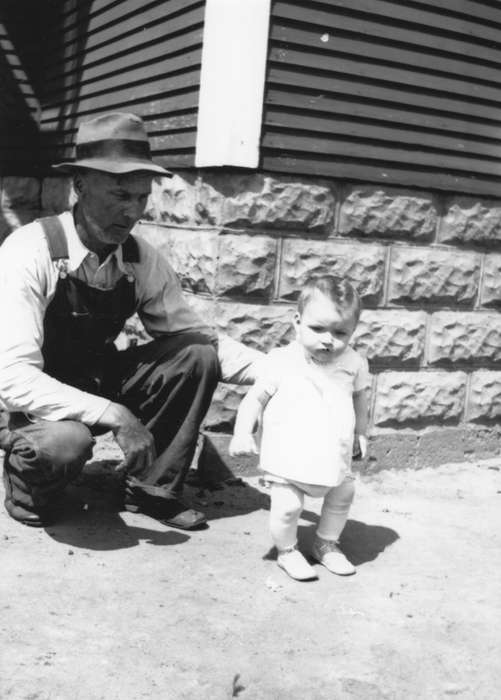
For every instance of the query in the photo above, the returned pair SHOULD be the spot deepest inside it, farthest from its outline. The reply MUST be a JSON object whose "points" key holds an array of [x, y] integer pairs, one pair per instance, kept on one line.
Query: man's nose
{"points": [[133, 211]]}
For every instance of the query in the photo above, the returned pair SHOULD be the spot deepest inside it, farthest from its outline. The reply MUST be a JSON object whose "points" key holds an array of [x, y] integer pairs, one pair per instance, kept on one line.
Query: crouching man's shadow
{"points": [[92, 517]]}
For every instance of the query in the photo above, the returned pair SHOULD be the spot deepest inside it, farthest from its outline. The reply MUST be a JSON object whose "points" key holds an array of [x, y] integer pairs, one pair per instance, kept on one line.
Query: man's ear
{"points": [[78, 183]]}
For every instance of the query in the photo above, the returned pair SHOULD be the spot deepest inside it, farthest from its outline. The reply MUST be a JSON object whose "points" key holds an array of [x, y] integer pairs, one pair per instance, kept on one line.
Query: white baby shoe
{"points": [[327, 552], [294, 564]]}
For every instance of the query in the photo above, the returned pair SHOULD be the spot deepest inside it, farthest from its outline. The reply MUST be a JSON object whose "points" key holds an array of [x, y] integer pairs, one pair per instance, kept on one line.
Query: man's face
{"points": [[110, 205], [322, 330]]}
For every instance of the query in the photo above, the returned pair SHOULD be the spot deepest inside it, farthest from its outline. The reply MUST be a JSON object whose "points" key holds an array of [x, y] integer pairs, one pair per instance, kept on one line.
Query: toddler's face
{"points": [[322, 330]]}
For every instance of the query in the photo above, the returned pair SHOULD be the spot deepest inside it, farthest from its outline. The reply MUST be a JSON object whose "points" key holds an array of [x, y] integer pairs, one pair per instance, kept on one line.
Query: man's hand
{"points": [[135, 441], [243, 444]]}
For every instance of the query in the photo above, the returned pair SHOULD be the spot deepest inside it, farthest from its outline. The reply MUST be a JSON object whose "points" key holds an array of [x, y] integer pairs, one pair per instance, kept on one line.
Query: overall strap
{"points": [[56, 238], [130, 250]]}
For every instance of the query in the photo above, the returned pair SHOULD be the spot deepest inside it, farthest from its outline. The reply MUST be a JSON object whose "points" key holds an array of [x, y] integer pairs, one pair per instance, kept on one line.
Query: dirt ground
{"points": [[113, 605]]}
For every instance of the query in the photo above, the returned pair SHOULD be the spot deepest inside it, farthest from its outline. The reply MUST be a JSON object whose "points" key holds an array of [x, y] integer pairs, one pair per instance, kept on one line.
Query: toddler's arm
{"points": [[249, 412], [361, 406]]}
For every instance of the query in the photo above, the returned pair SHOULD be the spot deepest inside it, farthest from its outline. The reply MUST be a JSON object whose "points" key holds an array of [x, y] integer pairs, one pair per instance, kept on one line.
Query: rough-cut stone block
{"points": [[223, 409], [431, 275], [362, 264], [465, 337], [246, 266], [193, 255], [58, 195], [20, 193], [255, 200], [490, 293], [191, 252], [419, 398], [261, 327], [469, 220], [157, 235], [11, 220], [183, 200], [386, 213], [484, 403], [391, 336]]}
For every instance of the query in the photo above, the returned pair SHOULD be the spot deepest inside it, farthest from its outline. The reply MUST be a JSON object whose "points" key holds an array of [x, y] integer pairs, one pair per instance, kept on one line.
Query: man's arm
{"points": [[163, 308], [27, 279], [239, 363]]}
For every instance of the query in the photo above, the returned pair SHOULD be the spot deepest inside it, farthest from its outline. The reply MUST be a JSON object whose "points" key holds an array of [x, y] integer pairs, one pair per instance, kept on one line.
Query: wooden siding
{"points": [[19, 77], [142, 57], [407, 93]]}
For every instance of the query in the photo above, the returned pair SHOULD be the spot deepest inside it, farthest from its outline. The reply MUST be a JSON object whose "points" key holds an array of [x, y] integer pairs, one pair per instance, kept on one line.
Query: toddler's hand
{"points": [[360, 447], [362, 441], [243, 445]]}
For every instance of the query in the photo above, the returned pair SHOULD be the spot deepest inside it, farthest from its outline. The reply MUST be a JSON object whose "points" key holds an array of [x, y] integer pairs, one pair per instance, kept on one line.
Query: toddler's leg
{"points": [[335, 509], [286, 506]]}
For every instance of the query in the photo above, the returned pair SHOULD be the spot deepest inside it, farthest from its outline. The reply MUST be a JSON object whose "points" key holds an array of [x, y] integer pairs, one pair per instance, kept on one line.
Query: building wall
{"points": [[427, 266], [65, 61], [385, 91]]}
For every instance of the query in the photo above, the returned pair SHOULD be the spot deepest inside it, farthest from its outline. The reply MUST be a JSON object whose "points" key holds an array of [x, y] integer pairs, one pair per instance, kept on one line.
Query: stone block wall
{"points": [[427, 266]]}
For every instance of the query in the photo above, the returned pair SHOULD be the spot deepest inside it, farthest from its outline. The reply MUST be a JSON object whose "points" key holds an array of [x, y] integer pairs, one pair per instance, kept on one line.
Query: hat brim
{"points": [[113, 167]]}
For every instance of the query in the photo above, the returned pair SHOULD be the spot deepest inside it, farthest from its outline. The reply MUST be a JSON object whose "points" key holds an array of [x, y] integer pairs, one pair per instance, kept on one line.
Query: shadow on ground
{"points": [[93, 503], [360, 542]]}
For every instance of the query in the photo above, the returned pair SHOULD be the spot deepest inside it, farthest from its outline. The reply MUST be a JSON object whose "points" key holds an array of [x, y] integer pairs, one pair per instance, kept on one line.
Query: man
{"points": [[67, 285]]}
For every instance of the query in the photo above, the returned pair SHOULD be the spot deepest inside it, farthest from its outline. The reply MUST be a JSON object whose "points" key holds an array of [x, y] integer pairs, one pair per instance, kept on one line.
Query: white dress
{"points": [[309, 420]]}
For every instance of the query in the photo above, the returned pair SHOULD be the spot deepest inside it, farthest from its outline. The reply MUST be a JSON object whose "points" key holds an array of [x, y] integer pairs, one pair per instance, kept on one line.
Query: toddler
{"points": [[312, 399]]}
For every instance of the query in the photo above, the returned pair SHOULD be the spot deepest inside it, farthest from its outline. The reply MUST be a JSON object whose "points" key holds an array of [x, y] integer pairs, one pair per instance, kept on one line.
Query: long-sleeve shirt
{"points": [[28, 279]]}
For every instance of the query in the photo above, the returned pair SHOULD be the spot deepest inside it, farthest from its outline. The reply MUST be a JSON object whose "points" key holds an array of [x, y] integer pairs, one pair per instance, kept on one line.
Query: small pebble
{"points": [[273, 585]]}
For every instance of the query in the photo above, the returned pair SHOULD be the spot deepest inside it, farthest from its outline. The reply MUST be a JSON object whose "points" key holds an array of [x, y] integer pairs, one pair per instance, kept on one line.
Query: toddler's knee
{"points": [[290, 515], [342, 494]]}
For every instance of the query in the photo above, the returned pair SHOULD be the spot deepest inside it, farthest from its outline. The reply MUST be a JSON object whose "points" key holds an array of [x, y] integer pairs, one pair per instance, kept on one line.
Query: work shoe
{"points": [[294, 564], [170, 511], [327, 553], [34, 518]]}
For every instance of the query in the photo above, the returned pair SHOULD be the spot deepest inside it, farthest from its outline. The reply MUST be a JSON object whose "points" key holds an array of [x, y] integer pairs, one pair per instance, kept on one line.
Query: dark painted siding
{"points": [[124, 55], [402, 92], [20, 22]]}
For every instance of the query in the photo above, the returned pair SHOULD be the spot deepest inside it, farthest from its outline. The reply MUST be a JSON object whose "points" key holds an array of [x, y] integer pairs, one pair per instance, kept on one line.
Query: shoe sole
{"points": [[196, 525], [336, 573], [313, 577], [131, 508], [170, 523]]}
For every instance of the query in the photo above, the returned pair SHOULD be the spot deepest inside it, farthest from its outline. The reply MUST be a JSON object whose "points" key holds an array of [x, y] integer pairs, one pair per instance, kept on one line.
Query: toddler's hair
{"points": [[341, 292]]}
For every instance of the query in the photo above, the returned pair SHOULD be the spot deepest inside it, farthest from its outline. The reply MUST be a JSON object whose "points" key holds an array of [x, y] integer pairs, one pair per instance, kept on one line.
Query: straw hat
{"points": [[115, 143]]}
